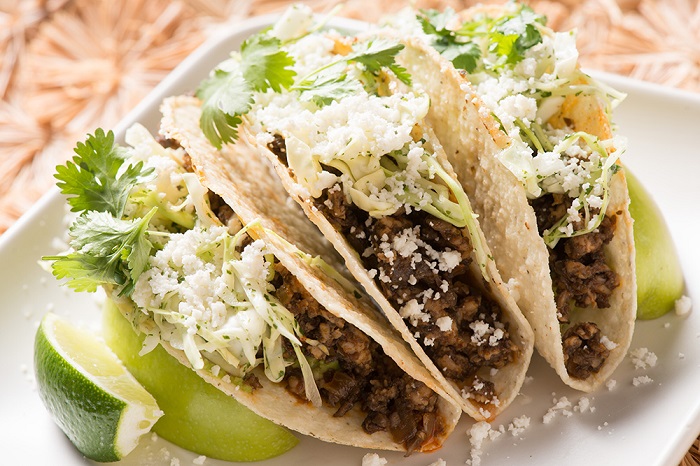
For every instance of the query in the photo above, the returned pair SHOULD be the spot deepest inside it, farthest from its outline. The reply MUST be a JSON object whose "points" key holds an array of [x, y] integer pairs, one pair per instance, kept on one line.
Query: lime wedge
{"points": [[92, 397], [659, 274], [198, 416]]}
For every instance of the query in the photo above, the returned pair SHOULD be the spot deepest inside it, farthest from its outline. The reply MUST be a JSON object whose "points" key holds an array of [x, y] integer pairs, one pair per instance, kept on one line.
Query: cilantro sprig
{"points": [[509, 37], [463, 55], [228, 95], [330, 82], [107, 250], [94, 179]]}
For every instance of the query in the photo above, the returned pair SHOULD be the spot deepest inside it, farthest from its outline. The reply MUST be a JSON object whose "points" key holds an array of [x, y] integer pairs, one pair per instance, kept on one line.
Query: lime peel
{"points": [[660, 281], [97, 403]]}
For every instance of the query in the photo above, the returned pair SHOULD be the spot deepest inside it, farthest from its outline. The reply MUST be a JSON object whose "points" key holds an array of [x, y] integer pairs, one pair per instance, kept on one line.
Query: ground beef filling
{"points": [[356, 372], [584, 353], [581, 278], [421, 265]]}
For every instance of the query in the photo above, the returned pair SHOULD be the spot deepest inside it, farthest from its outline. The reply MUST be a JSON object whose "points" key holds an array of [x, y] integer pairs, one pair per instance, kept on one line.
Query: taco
{"points": [[529, 136], [358, 156], [224, 289]]}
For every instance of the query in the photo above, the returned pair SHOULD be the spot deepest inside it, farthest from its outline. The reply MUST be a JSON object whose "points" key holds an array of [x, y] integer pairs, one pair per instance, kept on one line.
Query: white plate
{"points": [[651, 424]]}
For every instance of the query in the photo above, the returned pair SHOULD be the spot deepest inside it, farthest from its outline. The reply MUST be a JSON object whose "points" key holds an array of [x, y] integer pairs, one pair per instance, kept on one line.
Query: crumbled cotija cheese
{"points": [[642, 380], [683, 306], [562, 405], [439, 462], [642, 358], [444, 323], [373, 459], [609, 344], [478, 434], [519, 425]]}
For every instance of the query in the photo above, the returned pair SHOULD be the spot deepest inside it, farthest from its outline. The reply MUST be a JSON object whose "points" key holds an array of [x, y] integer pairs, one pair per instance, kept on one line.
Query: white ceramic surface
{"points": [[651, 424]]}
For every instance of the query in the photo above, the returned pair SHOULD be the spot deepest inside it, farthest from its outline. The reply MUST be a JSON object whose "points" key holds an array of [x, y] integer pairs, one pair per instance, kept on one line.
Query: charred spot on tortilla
{"points": [[421, 264], [353, 371], [582, 279]]}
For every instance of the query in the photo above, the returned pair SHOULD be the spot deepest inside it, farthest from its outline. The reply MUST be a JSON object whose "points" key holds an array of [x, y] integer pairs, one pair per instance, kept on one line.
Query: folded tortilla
{"points": [[248, 186], [418, 251], [477, 145]]}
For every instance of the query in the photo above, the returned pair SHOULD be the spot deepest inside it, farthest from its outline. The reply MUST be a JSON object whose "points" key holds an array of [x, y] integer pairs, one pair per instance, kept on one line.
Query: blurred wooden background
{"points": [[70, 66]]}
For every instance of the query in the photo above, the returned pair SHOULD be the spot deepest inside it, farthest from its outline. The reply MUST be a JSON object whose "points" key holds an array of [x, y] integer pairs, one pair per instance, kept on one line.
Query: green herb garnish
{"points": [[93, 180], [508, 37], [330, 83], [108, 251], [228, 95]]}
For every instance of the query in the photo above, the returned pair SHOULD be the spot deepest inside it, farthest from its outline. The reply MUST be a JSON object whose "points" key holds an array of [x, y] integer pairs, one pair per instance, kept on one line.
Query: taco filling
{"points": [[207, 287], [421, 265], [527, 76]]}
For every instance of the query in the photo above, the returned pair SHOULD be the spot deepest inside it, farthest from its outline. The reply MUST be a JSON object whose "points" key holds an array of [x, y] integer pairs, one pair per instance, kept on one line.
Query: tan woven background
{"points": [[70, 66]]}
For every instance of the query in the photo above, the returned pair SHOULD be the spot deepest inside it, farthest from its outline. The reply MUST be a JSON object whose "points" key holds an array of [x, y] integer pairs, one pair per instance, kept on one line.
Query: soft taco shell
{"points": [[248, 186], [472, 140]]}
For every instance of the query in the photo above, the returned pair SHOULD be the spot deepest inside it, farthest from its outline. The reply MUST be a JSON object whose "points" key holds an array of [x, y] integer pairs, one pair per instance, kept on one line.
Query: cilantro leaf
{"points": [[265, 65], [516, 34], [93, 179], [463, 55], [228, 95], [328, 87], [377, 54], [108, 251], [225, 98]]}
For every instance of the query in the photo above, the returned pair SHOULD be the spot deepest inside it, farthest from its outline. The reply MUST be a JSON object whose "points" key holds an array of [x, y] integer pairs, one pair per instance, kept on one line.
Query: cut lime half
{"points": [[97, 403]]}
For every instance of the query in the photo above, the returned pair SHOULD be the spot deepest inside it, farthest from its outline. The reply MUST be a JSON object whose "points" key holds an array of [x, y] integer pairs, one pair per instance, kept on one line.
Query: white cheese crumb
{"points": [[175, 462], [562, 405], [199, 460], [611, 384], [642, 380], [439, 462], [609, 344], [642, 358], [444, 323], [667, 325], [478, 433], [481, 330], [519, 425], [373, 459], [413, 310], [683, 306], [583, 405], [681, 356]]}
